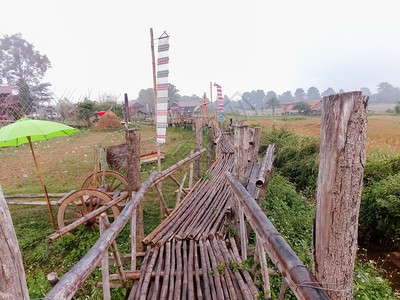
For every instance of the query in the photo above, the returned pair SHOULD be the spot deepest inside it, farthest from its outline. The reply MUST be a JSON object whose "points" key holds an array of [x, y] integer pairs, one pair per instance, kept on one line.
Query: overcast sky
{"points": [[104, 46]]}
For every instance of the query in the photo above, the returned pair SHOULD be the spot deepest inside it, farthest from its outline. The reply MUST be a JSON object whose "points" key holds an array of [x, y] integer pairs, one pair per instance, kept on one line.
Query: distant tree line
{"points": [[23, 68]]}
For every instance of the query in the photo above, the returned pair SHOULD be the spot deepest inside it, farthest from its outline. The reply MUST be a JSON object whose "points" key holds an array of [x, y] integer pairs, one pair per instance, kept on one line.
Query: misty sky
{"points": [[104, 46]]}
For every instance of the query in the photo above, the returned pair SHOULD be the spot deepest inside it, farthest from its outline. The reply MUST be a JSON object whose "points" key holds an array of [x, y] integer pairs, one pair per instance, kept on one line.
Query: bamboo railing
{"points": [[299, 279]]}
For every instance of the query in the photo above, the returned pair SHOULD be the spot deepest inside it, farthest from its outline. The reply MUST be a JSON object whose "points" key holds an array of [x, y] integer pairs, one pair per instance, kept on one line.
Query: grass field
{"points": [[66, 162], [383, 131]]}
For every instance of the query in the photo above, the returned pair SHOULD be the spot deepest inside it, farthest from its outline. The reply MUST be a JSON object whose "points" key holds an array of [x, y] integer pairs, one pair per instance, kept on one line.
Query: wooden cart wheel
{"points": [[112, 181], [82, 202]]}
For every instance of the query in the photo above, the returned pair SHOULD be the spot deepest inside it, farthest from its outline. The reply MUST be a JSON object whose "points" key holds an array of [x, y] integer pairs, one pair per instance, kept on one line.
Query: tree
{"points": [[146, 97], [328, 92], [299, 94], [272, 103], [313, 94], [387, 93], [86, 110], [397, 108], [173, 93], [270, 94], [365, 91], [286, 97], [302, 108], [23, 67]]}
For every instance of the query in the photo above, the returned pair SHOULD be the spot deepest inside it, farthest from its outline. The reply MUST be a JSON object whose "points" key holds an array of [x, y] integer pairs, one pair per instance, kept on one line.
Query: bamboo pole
{"points": [[53, 224], [179, 193], [199, 142], [149, 269], [264, 269], [277, 248], [227, 274], [167, 269], [172, 272], [229, 256], [133, 240], [115, 253], [153, 62], [266, 166], [191, 172], [209, 287], [105, 274], [199, 294], [185, 271], [190, 270], [179, 271], [163, 203]]}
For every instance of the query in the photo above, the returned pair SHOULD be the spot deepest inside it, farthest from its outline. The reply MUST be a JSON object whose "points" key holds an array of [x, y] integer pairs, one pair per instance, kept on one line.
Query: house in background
{"points": [[186, 107], [136, 108], [11, 106]]}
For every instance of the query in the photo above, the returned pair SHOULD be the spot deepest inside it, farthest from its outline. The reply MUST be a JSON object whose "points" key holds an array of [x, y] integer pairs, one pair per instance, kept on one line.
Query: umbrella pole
{"points": [[53, 224]]}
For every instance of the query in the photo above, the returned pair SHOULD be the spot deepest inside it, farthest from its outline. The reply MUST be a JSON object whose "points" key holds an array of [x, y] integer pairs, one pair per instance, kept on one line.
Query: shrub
{"points": [[380, 213], [296, 158], [292, 215]]}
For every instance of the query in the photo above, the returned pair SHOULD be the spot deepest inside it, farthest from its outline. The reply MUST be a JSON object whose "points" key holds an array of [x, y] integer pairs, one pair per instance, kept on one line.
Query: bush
{"points": [[380, 214], [296, 158], [292, 215]]}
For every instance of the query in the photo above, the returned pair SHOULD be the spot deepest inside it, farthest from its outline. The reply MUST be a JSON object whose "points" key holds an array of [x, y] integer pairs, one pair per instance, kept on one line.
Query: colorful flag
{"points": [[162, 87], [220, 101], [204, 105]]}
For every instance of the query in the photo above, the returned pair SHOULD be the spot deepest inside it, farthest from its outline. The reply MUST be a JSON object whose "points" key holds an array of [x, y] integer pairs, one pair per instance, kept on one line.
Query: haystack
{"points": [[109, 121]]}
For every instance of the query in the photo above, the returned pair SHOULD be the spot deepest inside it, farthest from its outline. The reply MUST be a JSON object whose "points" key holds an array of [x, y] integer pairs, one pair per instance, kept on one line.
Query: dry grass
{"points": [[65, 162], [383, 131]]}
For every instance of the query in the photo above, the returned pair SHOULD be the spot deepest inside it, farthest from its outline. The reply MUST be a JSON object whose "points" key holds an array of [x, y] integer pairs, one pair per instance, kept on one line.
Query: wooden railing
{"points": [[295, 274]]}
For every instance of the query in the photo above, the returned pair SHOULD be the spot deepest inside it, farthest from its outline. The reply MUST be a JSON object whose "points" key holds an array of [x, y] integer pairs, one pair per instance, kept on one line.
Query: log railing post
{"points": [[302, 283], [339, 185], [12, 275], [133, 178], [199, 143]]}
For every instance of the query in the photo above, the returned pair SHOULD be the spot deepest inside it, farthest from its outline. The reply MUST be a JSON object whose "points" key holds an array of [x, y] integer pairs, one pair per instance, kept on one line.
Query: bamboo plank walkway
{"points": [[189, 256]]}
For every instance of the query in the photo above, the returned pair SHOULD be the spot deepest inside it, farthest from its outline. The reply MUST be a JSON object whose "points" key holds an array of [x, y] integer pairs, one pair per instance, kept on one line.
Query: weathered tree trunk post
{"points": [[133, 178], [199, 144], [341, 168], [12, 275], [241, 160]]}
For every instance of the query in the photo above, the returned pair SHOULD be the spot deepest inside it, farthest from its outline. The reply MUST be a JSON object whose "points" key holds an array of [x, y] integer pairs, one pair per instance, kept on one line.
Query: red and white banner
{"points": [[162, 87], [220, 101]]}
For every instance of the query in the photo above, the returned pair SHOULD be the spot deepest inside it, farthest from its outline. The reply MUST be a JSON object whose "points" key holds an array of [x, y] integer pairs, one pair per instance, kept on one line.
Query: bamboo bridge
{"points": [[198, 251]]}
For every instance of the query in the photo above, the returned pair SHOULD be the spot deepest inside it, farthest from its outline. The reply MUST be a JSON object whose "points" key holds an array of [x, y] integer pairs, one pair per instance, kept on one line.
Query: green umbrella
{"points": [[25, 131]]}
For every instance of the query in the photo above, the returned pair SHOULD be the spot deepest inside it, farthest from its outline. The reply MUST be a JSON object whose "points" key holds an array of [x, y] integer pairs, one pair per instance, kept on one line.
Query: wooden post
{"points": [[126, 111], [339, 185], [210, 149], [153, 60], [241, 143], [133, 178], [12, 275], [255, 144], [191, 172], [133, 240], [105, 273], [199, 143]]}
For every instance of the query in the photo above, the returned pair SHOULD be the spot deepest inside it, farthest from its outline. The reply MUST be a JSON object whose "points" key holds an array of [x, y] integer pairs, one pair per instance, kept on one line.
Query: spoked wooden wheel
{"points": [[107, 181], [82, 202]]}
